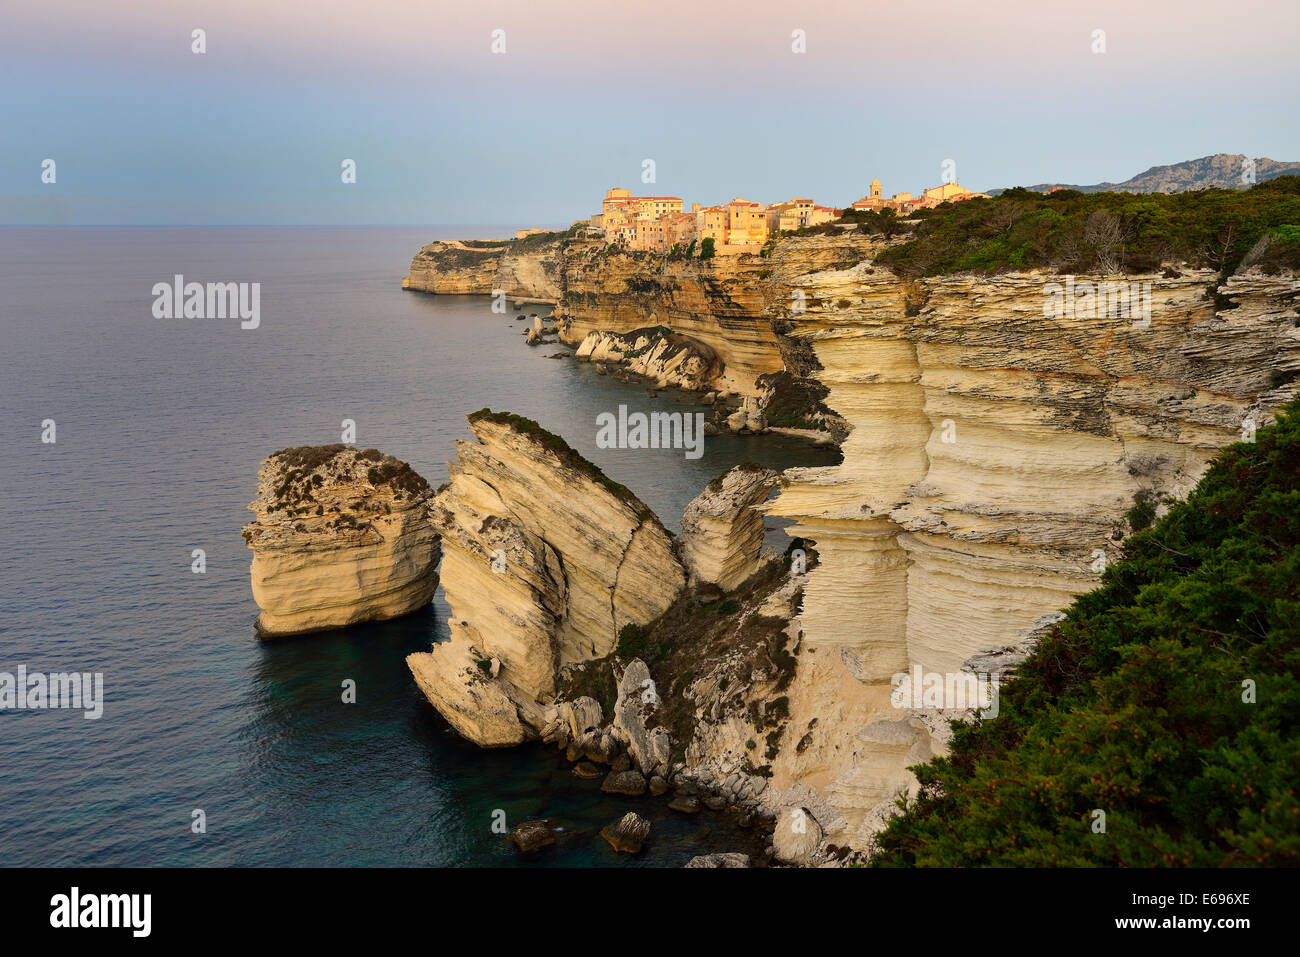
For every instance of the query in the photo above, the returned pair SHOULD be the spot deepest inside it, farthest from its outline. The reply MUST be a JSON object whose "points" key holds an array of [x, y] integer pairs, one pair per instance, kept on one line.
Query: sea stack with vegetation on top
{"points": [[342, 536]]}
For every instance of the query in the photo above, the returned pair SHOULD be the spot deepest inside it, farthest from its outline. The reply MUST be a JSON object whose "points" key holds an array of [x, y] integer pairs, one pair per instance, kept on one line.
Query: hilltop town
{"points": [[662, 224]]}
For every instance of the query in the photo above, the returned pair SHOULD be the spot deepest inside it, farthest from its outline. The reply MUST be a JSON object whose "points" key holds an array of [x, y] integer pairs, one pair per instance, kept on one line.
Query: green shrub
{"points": [[1090, 232], [631, 641], [1143, 512]]}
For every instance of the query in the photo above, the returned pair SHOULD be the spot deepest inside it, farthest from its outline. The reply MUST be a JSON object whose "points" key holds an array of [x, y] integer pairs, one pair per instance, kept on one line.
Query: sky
{"points": [[442, 130]]}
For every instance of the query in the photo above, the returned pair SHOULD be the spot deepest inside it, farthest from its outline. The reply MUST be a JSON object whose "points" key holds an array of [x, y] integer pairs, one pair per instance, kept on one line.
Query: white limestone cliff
{"points": [[993, 457], [993, 454], [658, 355]]}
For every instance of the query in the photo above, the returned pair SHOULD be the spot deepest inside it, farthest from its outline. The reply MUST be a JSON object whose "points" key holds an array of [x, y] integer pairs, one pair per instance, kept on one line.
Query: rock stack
{"points": [[341, 536], [545, 560], [722, 533]]}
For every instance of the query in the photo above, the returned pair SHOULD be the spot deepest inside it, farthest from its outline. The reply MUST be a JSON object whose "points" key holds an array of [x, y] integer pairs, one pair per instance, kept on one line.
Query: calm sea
{"points": [[161, 426]]}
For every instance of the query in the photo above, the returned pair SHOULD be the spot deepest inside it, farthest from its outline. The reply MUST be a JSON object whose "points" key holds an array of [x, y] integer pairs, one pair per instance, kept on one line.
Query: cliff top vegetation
{"points": [[1070, 231], [300, 471], [529, 241]]}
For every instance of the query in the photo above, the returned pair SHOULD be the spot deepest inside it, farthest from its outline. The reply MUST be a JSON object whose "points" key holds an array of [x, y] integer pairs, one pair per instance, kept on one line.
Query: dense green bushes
{"points": [[1107, 232], [1139, 704], [525, 242], [876, 222]]}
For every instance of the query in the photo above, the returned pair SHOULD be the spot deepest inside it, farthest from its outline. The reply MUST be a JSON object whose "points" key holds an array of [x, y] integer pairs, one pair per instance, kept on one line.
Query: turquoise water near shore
{"points": [[161, 427]]}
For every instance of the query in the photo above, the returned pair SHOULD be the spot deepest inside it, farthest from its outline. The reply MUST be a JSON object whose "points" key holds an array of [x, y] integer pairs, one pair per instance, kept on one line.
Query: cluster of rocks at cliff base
{"points": [[539, 333], [748, 419], [657, 354], [545, 560], [693, 724], [341, 536]]}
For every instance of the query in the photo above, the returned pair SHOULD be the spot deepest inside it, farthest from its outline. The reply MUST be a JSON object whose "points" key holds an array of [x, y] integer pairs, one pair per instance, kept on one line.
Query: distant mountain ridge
{"points": [[1221, 171]]}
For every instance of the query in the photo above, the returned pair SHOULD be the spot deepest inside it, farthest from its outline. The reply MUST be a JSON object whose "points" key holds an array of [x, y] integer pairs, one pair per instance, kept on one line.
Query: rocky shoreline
{"points": [[663, 360], [994, 461], [553, 573]]}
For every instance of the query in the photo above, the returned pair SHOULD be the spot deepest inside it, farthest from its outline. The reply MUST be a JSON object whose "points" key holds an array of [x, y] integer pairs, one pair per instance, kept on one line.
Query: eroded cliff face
{"points": [[993, 457], [724, 303], [455, 267], [544, 561], [341, 536], [722, 531]]}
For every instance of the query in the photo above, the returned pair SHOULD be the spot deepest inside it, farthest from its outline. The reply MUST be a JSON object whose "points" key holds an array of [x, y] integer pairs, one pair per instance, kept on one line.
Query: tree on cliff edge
{"points": [[1168, 699]]}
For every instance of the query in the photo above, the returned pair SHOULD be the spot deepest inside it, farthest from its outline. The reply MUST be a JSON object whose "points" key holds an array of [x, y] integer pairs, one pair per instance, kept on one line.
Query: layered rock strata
{"points": [[722, 533], [628, 833], [994, 463], [545, 560], [528, 272], [341, 536], [996, 453], [724, 304]]}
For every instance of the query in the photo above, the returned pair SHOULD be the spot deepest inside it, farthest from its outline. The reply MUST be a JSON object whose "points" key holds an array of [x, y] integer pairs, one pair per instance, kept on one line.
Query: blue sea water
{"points": [[161, 426]]}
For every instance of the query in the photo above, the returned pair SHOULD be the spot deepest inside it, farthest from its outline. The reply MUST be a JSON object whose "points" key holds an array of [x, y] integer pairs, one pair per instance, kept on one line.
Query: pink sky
{"points": [[982, 43], [444, 131]]}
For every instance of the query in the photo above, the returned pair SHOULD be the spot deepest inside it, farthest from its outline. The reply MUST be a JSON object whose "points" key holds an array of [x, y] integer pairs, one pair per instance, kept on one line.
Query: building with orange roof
{"points": [[796, 214], [788, 216], [710, 223], [627, 219], [906, 202], [658, 223], [821, 214], [746, 223], [679, 230]]}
